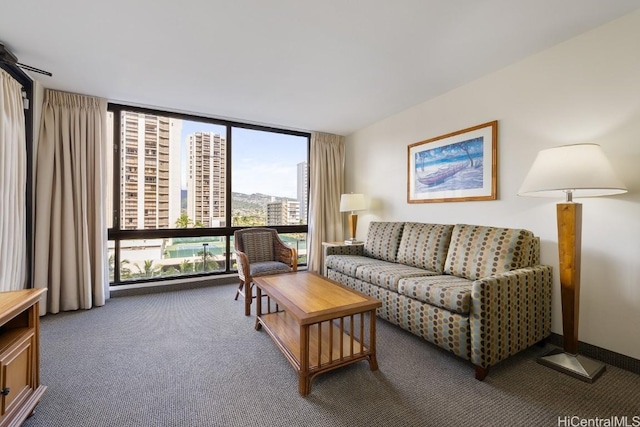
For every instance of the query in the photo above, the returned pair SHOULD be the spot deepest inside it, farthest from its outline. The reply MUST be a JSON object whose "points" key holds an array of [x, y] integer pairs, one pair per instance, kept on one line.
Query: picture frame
{"points": [[456, 167]]}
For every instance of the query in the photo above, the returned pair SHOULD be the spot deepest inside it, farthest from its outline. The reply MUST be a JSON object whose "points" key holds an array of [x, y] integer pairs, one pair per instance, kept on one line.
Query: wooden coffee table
{"points": [[317, 323]]}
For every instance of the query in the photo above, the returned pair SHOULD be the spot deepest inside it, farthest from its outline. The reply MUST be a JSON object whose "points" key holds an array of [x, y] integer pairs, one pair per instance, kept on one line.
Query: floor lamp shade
{"points": [[352, 203], [580, 170]]}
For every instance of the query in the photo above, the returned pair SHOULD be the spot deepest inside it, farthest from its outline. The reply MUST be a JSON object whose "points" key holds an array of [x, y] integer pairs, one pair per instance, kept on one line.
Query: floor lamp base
{"points": [[577, 366]]}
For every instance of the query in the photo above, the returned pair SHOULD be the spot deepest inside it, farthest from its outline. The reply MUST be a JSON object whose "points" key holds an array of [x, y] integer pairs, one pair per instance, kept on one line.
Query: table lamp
{"points": [[352, 203], [580, 170]]}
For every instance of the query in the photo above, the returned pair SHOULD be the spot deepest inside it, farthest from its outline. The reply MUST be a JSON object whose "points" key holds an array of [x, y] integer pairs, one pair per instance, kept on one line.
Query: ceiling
{"points": [[330, 65]]}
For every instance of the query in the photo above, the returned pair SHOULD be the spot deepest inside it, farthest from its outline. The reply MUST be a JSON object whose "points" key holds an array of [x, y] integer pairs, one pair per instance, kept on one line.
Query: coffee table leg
{"points": [[304, 385], [373, 361], [258, 306]]}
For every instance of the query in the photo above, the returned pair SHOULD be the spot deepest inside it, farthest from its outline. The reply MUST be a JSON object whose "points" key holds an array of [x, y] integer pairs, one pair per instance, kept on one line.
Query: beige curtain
{"points": [[13, 185], [327, 183], [70, 228]]}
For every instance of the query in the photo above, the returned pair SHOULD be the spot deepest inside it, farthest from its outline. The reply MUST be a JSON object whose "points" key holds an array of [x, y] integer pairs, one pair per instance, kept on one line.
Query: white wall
{"points": [[583, 90]]}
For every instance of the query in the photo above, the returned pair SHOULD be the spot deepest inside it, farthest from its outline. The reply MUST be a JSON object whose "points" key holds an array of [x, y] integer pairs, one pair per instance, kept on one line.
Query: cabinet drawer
{"points": [[16, 371]]}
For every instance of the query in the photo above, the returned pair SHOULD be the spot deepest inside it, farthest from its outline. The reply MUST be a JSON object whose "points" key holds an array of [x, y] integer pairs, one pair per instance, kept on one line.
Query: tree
{"points": [[466, 146], [125, 271], [183, 221], [149, 269], [205, 262], [186, 266], [240, 220]]}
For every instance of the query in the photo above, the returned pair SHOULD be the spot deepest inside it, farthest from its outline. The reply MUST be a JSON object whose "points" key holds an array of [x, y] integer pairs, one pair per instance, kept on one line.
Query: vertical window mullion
{"points": [[229, 179]]}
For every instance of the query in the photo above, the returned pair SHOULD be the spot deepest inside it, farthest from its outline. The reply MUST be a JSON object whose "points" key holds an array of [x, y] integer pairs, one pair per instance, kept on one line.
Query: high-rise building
{"points": [[150, 171], [283, 213], [206, 178], [303, 190]]}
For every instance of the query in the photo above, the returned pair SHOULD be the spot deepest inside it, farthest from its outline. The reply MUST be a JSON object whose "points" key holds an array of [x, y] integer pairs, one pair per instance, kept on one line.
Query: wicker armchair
{"points": [[260, 252]]}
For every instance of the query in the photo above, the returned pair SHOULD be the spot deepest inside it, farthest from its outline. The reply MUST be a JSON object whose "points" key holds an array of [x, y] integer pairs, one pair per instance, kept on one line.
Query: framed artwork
{"points": [[457, 167]]}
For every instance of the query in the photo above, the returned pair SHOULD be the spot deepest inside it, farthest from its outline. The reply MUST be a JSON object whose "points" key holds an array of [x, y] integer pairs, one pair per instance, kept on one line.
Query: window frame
{"points": [[116, 234]]}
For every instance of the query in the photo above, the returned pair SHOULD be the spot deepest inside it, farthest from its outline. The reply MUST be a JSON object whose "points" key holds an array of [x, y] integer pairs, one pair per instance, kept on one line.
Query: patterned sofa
{"points": [[476, 291]]}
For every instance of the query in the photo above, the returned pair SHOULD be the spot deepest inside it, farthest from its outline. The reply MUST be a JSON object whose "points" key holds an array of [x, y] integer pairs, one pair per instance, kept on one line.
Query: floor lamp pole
{"points": [[569, 249]]}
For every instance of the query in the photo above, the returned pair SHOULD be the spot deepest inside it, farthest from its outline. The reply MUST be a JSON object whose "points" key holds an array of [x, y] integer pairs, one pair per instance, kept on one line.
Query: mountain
{"points": [[256, 201], [243, 202]]}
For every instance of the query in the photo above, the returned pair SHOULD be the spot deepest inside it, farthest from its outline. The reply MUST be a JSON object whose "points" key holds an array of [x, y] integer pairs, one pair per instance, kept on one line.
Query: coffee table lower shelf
{"points": [[319, 347]]}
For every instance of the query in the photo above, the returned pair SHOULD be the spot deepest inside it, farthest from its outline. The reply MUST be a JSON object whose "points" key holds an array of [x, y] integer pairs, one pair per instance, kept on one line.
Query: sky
{"points": [[262, 162]]}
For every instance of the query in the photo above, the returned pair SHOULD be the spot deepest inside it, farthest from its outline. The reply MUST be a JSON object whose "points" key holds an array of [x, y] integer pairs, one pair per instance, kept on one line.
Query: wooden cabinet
{"points": [[20, 389]]}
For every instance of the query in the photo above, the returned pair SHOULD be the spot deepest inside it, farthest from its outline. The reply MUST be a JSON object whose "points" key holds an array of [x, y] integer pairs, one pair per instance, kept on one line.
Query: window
{"points": [[179, 186]]}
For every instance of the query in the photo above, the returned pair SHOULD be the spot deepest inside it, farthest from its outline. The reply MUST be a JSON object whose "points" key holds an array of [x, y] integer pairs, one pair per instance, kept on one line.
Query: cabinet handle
{"points": [[5, 391]]}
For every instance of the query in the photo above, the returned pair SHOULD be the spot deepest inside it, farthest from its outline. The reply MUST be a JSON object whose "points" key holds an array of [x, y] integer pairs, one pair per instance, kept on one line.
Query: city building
{"points": [[206, 179], [283, 213], [150, 171], [303, 189]]}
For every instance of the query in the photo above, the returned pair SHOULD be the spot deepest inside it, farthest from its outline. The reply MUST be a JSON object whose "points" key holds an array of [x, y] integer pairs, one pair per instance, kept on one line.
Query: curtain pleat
{"points": [[13, 184], [70, 219], [327, 159]]}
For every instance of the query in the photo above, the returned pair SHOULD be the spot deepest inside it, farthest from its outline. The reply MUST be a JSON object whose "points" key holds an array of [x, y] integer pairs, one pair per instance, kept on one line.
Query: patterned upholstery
{"points": [[534, 257], [383, 239], [344, 250], [509, 313], [450, 292], [268, 267], [388, 274], [349, 264], [476, 251], [492, 301], [436, 325], [258, 246], [425, 245]]}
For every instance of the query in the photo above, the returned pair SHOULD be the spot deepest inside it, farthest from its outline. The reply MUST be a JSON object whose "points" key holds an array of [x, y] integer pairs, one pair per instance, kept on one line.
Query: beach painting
{"points": [[460, 166]]}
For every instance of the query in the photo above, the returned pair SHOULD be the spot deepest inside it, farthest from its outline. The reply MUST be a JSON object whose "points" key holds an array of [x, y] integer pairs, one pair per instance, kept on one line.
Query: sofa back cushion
{"points": [[425, 245], [383, 239], [477, 251]]}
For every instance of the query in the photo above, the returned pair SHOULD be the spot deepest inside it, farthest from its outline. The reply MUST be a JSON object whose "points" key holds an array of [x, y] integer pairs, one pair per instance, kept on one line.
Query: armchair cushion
{"points": [[268, 267], [259, 247]]}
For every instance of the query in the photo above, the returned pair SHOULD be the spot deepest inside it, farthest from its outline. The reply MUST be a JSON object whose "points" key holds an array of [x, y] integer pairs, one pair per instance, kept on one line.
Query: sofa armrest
{"points": [[336, 249], [509, 312]]}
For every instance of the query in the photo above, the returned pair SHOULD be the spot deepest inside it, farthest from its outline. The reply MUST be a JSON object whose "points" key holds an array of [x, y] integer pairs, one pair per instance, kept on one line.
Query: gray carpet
{"points": [[191, 358]]}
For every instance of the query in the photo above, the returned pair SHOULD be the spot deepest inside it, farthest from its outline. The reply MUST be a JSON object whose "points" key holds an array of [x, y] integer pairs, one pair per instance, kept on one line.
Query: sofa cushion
{"points": [[383, 239], [348, 264], [449, 292], [388, 274], [478, 251], [425, 245]]}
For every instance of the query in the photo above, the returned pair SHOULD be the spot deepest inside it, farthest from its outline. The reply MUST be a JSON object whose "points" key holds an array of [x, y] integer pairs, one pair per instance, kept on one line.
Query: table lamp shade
{"points": [[352, 202], [582, 169]]}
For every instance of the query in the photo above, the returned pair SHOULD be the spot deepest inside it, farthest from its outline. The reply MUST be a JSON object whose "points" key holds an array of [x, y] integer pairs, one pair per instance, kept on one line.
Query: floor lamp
{"points": [[352, 203], [580, 170]]}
